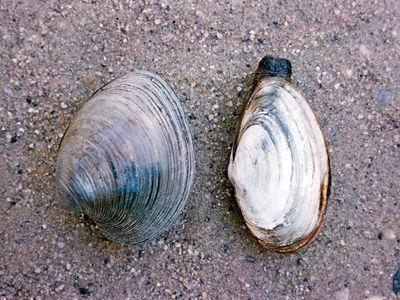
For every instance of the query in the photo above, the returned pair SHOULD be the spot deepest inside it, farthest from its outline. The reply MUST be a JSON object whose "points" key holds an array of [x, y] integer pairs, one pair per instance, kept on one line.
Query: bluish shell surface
{"points": [[127, 160]]}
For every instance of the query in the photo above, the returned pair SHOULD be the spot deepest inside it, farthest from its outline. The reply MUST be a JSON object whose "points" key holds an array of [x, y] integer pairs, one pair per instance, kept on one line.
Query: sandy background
{"points": [[345, 56]]}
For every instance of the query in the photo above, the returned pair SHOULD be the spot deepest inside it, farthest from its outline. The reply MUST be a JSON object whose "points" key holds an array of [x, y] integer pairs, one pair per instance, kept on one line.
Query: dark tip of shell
{"points": [[274, 67], [268, 67]]}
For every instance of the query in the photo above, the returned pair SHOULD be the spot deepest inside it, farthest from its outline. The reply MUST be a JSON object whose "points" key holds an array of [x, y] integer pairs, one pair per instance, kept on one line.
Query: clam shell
{"points": [[279, 166], [127, 159]]}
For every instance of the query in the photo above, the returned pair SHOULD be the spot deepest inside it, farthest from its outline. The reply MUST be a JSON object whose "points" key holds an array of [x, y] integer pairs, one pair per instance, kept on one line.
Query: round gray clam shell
{"points": [[279, 167], [127, 159]]}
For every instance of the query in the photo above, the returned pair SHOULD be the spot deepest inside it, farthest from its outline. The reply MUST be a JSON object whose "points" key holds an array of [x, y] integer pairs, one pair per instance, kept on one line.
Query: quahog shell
{"points": [[126, 160], [279, 162]]}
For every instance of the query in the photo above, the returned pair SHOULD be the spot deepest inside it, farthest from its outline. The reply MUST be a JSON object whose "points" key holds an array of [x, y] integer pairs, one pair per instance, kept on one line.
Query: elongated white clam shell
{"points": [[279, 167], [127, 159]]}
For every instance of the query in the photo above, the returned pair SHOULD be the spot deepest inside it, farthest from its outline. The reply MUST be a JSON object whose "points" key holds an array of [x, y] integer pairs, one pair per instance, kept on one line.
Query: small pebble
{"points": [[348, 73], [384, 97], [364, 51], [388, 234], [252, 34], [63, 105], [60, 288], [44, 32], [366, 233]]}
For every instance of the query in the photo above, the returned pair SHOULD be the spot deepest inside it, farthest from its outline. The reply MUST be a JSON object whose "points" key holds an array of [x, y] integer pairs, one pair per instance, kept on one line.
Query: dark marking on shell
{"points": [[267, 67], [274, 67]]}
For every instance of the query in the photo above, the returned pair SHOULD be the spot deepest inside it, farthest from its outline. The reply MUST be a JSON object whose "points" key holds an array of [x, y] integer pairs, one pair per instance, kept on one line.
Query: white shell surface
{"points": [[127, 159], [279, 165]]}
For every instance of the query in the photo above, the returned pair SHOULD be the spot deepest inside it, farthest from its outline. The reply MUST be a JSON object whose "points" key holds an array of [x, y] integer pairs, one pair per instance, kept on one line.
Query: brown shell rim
{"points": [[312, 235]]}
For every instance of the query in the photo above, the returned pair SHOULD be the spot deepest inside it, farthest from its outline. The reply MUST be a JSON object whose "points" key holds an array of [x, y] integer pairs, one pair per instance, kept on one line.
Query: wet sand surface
{"points": [[346, 62]]}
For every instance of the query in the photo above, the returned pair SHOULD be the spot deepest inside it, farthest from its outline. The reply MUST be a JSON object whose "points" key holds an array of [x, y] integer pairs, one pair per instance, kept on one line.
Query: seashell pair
{"points": [[127, 161]]}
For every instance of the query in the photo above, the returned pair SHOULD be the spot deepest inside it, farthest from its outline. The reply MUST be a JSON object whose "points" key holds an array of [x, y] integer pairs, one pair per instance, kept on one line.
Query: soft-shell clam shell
{"points": [[279, 162]]}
